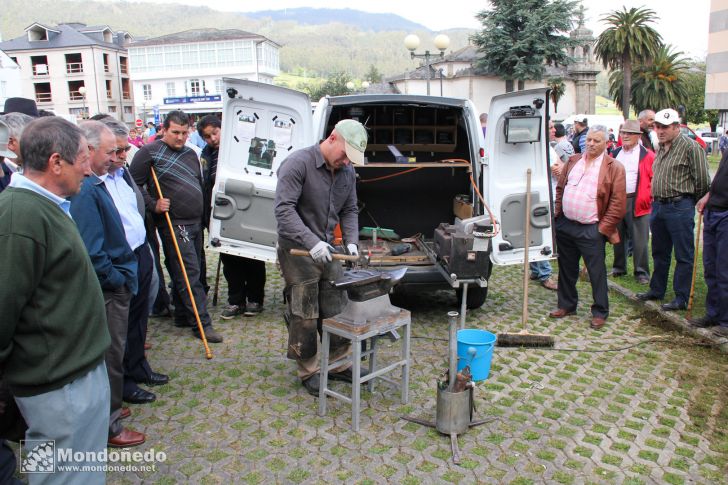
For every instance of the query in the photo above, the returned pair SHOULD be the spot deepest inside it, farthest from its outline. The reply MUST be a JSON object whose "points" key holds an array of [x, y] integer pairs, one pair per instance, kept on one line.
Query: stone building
{"points": [[455, 75]]}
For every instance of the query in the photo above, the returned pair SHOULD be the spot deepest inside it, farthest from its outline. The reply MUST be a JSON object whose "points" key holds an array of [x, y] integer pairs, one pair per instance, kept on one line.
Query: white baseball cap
{"points": [[667, 117]]}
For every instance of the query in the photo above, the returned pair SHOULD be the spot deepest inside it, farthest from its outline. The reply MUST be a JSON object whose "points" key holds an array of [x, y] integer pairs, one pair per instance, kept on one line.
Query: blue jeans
{"points": [[715, 253], [672, 225], [540, 270]]}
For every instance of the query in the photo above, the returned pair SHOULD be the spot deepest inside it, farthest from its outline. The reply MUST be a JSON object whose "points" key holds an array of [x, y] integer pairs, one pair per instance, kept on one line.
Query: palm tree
{"points": [[628, 40], [558, 88], [661, 83]]}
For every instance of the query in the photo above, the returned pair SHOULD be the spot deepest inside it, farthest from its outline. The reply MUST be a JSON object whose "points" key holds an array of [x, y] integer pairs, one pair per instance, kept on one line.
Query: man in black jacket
{"points": [[180, 178], [714, 207]]}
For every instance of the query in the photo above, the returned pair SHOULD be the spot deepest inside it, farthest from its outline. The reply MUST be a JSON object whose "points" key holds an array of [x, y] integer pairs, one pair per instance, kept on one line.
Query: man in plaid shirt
{"points": [[591, 198]]}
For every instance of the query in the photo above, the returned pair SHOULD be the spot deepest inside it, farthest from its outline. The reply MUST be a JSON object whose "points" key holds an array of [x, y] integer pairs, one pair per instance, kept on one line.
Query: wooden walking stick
{"points": [[208, 352], [689, 313]]}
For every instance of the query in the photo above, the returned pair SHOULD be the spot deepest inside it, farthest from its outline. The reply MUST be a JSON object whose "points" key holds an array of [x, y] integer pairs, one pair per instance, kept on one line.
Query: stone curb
{"points": [[677, 321]]}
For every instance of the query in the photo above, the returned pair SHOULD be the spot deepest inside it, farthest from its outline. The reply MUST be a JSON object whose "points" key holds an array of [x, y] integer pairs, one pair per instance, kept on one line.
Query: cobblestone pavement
{"points": [[655, 413]]}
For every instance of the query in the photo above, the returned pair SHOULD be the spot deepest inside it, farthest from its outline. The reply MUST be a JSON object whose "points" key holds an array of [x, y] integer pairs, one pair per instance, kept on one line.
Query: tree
{"points": [[628, 40], [520, 36], [695, 105], [373, 75], [335, 85], [657, 84], [558, 88]]}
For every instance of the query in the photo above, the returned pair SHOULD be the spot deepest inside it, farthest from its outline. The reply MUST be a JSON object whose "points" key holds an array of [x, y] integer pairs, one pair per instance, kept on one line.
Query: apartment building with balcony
{"points": [[184, 70], [716, 63], [74, 69]]}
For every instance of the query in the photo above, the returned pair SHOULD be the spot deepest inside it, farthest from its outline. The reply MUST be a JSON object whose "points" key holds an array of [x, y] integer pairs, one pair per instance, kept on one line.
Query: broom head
{"points": [[525, 339]]}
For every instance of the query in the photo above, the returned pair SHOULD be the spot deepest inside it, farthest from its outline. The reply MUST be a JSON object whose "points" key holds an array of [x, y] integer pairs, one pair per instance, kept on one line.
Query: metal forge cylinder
{"points": [[453, 411]]}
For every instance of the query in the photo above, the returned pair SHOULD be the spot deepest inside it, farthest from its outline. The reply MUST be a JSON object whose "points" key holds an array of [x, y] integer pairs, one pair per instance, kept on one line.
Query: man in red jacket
{"points": [[590, 202], [637, 161]]}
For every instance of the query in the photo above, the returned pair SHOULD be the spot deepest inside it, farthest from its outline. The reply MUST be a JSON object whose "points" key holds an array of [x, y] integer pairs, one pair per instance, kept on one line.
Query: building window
{"points": [[109, 93], [112, 109], [128, 110], [107, 68], [170, 89], [218, 86], [195, 87], [147, 91], [74, 63]]}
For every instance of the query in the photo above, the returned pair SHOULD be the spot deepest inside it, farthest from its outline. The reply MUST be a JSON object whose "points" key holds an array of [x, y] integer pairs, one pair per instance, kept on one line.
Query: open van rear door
{"points": [[516, 140], [261, 125]]}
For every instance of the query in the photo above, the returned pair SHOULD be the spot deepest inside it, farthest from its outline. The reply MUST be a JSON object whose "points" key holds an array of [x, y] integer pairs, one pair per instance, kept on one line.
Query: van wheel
{"points": [[476, 296]]}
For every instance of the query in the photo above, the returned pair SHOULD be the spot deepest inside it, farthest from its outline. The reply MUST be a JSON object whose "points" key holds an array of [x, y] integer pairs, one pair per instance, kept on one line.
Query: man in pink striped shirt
{"points": [[591, 199]]}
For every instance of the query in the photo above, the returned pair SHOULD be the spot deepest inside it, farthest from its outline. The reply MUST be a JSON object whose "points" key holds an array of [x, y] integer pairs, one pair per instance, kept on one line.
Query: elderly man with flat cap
{"points": [[637, 161], [680, 179], [316, 191]]}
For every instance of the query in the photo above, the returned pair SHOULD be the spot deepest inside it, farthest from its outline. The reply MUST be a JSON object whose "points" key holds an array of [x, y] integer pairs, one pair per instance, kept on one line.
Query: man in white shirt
{"points": [[637, 161]]}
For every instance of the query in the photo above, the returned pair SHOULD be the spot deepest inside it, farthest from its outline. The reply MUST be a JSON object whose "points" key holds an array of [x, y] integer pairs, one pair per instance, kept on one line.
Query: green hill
{"points": [[316, 50]]}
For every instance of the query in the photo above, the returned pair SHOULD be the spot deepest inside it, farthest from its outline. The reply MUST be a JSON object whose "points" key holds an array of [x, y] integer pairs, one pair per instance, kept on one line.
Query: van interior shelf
{"points": [[458, 164]]}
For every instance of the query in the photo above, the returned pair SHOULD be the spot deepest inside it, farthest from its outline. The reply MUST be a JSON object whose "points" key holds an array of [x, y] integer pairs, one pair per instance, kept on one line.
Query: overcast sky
{"points": [[682, 24]]}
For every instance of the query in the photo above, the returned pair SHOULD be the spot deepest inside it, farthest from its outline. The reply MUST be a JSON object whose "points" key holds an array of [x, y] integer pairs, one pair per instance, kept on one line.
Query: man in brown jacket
{"points": [[591, 199]]}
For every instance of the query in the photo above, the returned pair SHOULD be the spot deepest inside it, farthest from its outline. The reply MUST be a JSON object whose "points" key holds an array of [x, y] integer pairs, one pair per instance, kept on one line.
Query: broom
{"points": [[524, 338]]}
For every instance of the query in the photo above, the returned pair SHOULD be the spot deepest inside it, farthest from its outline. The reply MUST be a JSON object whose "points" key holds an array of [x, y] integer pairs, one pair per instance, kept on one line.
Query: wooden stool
{"points": [[371, 331]]}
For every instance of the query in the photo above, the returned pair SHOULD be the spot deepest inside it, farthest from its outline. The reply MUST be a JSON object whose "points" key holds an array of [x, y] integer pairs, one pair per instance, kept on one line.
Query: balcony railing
{"points": [[107, 68], [40, 70], [75, 96], [43, 97], [124, 68], [108, 94], [126, 95], [74, 67]]}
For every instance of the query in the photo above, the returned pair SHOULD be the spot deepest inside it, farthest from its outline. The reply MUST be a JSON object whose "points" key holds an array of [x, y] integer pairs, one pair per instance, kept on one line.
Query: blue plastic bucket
{"points": [[475, 348]]}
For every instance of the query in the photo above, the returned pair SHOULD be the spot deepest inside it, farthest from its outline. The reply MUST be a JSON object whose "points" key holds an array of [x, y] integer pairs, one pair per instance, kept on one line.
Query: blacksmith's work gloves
{"points": [[321, 252], [353, 250]]}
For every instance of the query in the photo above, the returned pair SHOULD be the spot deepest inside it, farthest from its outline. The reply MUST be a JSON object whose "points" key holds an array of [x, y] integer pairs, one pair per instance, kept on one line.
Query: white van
{"points": [[445, 162]]}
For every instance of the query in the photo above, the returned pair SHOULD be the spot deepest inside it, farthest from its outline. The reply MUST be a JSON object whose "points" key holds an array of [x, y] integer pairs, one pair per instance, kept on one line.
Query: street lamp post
{"points": [[82, 92], [412, 42]]}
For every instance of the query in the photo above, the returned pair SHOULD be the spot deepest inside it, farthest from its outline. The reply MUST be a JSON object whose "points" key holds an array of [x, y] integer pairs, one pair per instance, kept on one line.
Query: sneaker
{"points": [[210, 334], [253, 309], [643, 280], [232, 311]]}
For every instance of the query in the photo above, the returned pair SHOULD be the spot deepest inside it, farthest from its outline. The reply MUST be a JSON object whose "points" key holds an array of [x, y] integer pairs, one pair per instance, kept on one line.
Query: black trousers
{"points": [[576, 241], [136, 367], [190, 248], [245, 278]]}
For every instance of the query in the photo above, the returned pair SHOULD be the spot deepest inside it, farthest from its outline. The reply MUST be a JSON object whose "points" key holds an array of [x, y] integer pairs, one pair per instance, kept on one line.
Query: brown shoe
{"points": [[125, 413], [550, 284], [126, 439], [597, 322], [561, 313]]}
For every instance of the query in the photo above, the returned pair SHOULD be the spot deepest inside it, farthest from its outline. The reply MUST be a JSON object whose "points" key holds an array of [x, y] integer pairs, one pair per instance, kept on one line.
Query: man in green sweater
{"points": [[53, 334]]}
